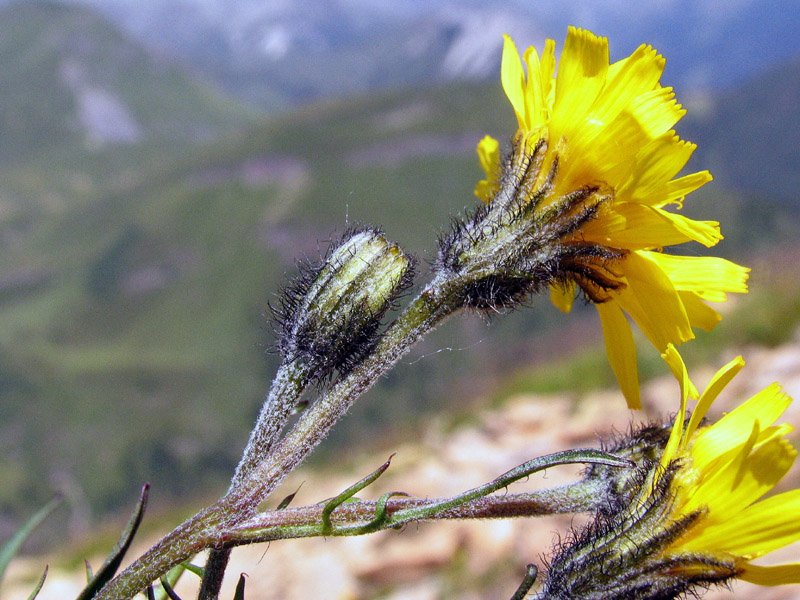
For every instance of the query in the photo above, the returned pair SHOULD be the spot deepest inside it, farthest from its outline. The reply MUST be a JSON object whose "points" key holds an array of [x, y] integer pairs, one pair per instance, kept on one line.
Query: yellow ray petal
{"points": [[513, 79], [656, 163], [589, 147], [766, 407], [706, 458], [635, 75], [535, 90], [657, 110], [744, 481], [635, 226], [621, 351], [675, 190], [704, 232], [488, 150], [630, 304], [548, 67], [676, 365], [703, 275], [700, 314], [771, 575], [721, 379], [489, 155], [562, 296], [759, 529], [772, 433], [629, 110], [581, 75], [667, 320]]}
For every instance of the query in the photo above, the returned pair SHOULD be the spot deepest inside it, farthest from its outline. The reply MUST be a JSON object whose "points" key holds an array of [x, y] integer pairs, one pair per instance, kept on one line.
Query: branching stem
{"points": [[255, 481]]}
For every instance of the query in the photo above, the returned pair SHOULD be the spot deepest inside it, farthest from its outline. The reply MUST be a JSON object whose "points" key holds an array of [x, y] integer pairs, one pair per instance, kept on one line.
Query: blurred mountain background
{"points": [[164, 163]]}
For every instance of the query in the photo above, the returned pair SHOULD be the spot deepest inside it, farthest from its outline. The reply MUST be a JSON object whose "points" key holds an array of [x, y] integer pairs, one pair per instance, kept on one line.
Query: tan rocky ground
{"points": [[468, 560]]}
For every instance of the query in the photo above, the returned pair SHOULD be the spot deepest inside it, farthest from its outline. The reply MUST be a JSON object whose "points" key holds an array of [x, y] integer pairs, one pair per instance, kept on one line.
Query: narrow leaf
{"points": [[519, 472], [10, 548], [349, 493], [151, 595], [588, 455], [527, 583], [88, 568], [168, 589], [112, 563], [239, 594], [380, 510], [199, 571], [172, 579], [288, 500], [39, 585]]}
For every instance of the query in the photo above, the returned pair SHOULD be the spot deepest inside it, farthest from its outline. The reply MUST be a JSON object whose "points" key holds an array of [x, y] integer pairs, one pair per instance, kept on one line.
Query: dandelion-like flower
{"points": [[693, 515], [601, 134], [722, 472]]}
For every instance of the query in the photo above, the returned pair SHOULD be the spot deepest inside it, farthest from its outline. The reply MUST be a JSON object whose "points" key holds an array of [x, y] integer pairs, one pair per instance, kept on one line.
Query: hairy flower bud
{"points": [[329, 319], [585, 202]]}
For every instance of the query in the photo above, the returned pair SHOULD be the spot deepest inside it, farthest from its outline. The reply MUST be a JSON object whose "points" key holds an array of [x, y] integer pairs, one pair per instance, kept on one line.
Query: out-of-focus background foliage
{"points": [[163, 163]]}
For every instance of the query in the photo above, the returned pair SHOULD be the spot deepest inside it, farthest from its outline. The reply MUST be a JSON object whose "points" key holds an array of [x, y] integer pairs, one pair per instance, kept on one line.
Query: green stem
{"points": [[362, 517], [527, 583], [349, 518], [254, 482], [427, 311], [214, 573], [290, 382], [288, 386], [186, 540]]}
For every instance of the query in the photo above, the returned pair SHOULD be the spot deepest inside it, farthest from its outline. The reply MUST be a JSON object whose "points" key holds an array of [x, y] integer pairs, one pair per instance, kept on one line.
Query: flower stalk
{"points": [[363, 517], [259, 479], [441, 298]]}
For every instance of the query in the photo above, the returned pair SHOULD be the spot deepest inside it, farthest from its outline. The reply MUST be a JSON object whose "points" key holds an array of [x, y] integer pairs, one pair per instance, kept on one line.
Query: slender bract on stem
{"points": [[305, 521], [363, 517]]}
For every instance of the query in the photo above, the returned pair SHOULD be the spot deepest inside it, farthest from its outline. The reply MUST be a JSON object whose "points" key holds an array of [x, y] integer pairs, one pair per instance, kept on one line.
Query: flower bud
{"points": [[329, 318]]}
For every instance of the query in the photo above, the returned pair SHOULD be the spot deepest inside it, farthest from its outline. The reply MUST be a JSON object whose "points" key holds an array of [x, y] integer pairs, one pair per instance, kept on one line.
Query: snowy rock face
{"points": [[102, 114]]}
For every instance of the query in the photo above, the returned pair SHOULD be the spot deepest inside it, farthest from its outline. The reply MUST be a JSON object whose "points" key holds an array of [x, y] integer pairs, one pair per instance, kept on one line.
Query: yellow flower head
{"points": [[724, 470], [693, 513], [605, 131]]}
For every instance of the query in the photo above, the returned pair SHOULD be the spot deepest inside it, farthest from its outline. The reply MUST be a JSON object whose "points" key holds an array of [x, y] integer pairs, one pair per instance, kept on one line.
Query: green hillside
{"points": [[69, 79], [132, 342], [131, 315]]}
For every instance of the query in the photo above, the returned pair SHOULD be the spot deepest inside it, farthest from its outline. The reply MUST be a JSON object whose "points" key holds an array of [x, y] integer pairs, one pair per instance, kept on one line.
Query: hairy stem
{"points": [[287, 388], [349, 518], [254, 482], [428, 310], [214, 573]]}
